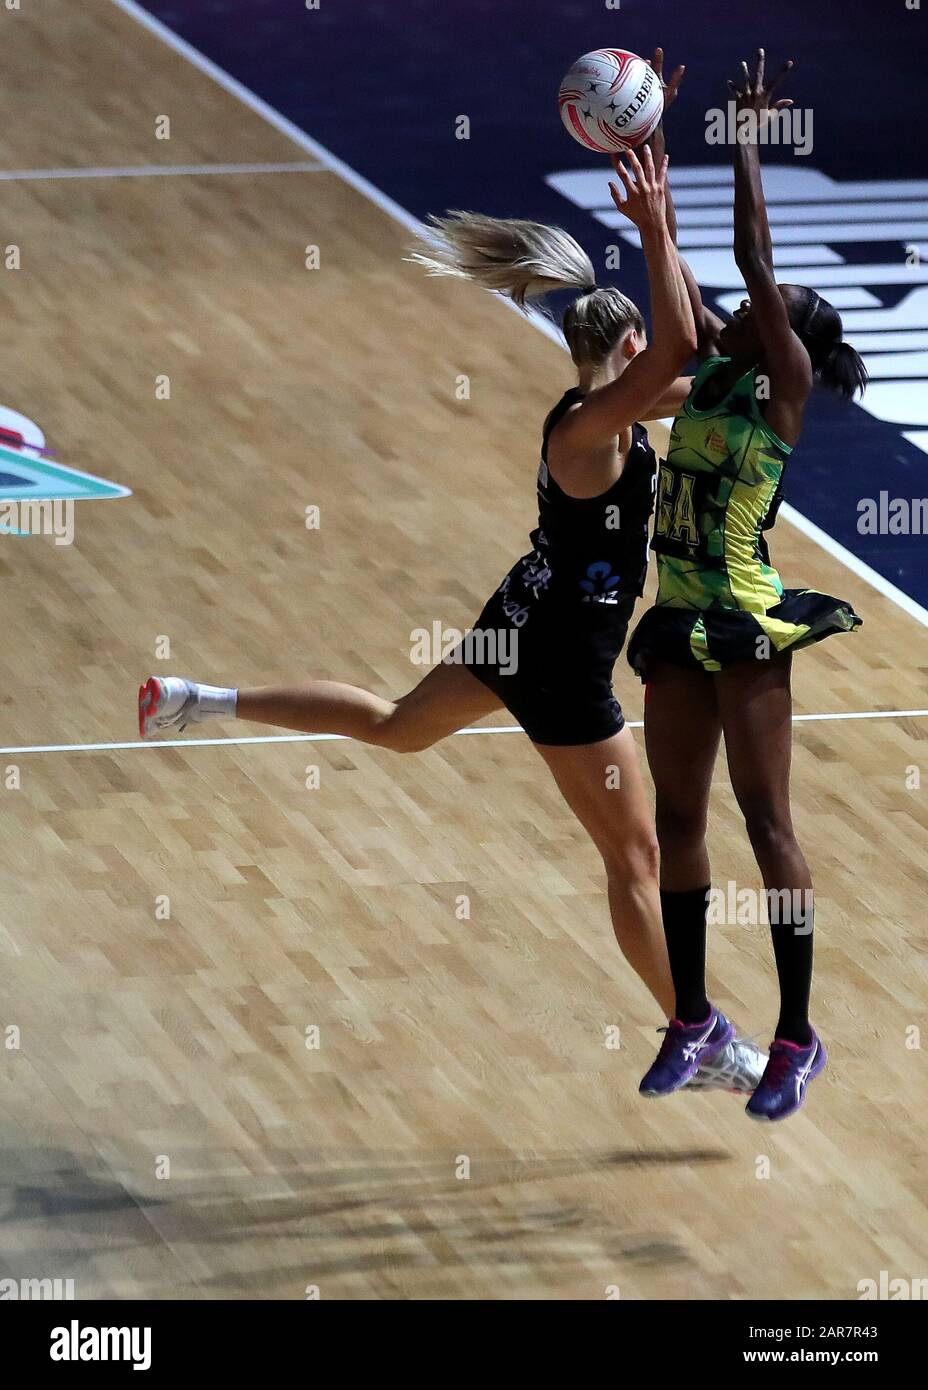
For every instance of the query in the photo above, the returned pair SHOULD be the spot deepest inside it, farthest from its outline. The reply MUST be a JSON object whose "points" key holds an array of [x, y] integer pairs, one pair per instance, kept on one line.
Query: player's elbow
{"points": [[671, 357]]}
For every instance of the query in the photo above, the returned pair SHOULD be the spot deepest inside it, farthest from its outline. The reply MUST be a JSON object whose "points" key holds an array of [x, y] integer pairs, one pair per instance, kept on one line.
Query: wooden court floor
{"points": [[462, 1130]]}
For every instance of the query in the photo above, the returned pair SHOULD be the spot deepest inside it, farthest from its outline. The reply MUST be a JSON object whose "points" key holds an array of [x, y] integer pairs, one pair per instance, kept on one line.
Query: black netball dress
{"points": [[547, 640]]}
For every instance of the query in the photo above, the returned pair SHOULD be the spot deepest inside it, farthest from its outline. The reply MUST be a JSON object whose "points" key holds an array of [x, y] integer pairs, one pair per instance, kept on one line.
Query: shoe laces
{"points": [[690, 1050]]}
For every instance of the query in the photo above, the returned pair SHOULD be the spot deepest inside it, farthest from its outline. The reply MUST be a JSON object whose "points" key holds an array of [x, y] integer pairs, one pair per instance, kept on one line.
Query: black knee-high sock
{"points": [[685, 931], [791, 931]]}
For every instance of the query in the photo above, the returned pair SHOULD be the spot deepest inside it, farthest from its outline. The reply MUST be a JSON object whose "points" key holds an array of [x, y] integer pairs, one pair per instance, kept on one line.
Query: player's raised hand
{"points": [[755, 92], [672, 85], [644, 201]]}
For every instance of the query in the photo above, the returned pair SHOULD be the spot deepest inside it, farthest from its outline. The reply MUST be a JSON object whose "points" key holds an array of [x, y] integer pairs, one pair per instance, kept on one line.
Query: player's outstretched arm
{"points": [[786, 360], [708, 324], [610, 409]]}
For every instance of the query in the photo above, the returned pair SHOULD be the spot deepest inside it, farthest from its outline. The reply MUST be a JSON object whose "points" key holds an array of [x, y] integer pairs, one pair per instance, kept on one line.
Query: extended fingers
{"points": [[677, 77], [786, 68], [625, 176], [636, 168], [617, 197], [758, 85]]}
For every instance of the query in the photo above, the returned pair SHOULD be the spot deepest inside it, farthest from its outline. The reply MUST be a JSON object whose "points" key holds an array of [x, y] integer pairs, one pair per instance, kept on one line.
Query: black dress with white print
{"points": [[547, 640]]}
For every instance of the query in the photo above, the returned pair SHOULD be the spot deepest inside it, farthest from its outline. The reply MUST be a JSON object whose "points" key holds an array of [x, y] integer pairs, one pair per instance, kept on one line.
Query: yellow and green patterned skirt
{"points": [[710, 639]]}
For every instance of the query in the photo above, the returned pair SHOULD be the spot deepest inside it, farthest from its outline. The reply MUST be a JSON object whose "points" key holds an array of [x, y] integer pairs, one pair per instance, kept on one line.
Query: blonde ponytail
{"points": [[523, 260], [526, 260]]}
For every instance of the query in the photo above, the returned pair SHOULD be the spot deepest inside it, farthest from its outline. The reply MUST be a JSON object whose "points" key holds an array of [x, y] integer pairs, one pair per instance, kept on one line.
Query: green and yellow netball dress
{"points": [[719, 600]]}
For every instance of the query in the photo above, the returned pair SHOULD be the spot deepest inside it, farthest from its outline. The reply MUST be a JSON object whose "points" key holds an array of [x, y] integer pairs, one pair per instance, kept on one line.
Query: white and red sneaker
{"points": [[166, 702]]}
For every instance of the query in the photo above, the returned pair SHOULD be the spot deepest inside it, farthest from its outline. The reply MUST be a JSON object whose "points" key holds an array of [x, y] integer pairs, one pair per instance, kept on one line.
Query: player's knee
{"points": [[396, 732], [768, 825], [412, 741], [634, 857], [680, 824]]}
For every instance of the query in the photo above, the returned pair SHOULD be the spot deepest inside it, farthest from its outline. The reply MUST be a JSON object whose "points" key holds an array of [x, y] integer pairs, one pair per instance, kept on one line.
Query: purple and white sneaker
{"points": [[738, 1067], [685, 1047], [782, 1087]]}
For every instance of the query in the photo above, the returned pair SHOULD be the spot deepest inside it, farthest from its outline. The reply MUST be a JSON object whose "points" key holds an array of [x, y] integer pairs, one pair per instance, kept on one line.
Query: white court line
{"points": [[328, 738], [299, 137], [145, 171], [399, 214]]}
